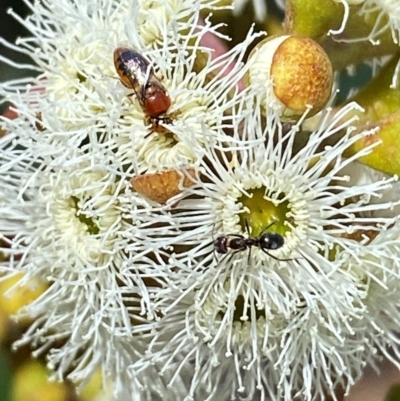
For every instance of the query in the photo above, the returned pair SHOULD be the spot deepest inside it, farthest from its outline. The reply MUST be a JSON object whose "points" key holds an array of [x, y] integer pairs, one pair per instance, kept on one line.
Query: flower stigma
{"points": [[92, 227]]}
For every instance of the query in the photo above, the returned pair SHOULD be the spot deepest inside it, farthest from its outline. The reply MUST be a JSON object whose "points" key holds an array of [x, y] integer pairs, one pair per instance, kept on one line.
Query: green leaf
{"points": [[393, 394], [385, 156], [378, 98], [381, 105], [5, 377]]}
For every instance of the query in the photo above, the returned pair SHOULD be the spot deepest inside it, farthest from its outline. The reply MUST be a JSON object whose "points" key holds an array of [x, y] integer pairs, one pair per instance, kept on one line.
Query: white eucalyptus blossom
{"points": [[201, 101], [288, 322], [78, 94], [360, 174], [67, 226], [67, 210], [160, 297], [388, 17], [155, 20]]}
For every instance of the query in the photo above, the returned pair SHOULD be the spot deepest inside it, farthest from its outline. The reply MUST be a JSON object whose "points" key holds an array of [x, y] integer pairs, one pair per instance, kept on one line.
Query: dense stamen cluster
{"points": [[194, 242]]}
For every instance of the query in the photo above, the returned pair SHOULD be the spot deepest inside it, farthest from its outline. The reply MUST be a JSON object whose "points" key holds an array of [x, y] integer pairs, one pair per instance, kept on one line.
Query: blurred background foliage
{"points": [[10, 29]]}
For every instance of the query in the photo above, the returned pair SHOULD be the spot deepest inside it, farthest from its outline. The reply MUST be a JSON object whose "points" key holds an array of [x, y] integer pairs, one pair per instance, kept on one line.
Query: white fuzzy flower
{"points": [[388, 17], [363, 175], [67, 211], [78, 96], [291, 321], [68, 227], [157, 20], [135, 288], [201, 104]]}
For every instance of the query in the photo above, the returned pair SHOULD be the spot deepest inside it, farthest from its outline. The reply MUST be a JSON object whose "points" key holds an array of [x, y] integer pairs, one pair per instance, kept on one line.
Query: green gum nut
{"points": [[323, 20], [384, 157], [379, 98], [312, 17], [381, 102]]}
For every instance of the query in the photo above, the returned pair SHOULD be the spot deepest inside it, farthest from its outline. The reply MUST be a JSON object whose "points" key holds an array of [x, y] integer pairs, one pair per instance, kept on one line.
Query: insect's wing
{"points": [[138, 69], [133, 69]]}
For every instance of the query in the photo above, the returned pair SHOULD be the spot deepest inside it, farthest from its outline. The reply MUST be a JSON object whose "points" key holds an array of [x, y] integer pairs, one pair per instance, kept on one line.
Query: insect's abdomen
{"points": [[221, 244], [156, 101]]}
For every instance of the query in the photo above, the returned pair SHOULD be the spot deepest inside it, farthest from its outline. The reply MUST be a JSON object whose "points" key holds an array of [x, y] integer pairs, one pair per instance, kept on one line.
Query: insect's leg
{"points": [[213, 238], [274, 257], [249, 256], [246, 222]]}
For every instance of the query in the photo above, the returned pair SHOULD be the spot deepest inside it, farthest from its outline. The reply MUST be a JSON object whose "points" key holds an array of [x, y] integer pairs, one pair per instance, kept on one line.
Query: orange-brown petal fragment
{"points": [[163, 185]]}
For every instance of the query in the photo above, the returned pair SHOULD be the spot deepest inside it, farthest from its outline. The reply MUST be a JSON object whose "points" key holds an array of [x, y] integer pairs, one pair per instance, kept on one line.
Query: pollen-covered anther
{"points": [[300, 70], [163, 185]]}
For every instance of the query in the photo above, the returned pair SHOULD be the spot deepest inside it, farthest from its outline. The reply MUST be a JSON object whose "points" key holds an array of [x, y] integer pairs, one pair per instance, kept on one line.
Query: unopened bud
{"points": [[300, 70]]}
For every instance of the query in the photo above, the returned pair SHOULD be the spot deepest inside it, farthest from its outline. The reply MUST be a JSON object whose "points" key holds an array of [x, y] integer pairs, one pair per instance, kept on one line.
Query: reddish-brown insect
{"points": [[135, 72]]}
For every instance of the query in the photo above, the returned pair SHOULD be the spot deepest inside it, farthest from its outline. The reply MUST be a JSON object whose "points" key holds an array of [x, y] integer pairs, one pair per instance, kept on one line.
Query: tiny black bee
{"points": [[266, 241]]}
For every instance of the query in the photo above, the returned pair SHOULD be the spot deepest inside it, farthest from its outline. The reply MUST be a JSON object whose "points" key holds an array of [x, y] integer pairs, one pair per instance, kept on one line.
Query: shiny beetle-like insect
{"points": [[135, 72]]}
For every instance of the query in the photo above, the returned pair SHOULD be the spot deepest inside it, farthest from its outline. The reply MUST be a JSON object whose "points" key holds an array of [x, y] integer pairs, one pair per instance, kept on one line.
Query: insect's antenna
{"points": [[143, 90], [246, 222], [268, 227], [274, 257], [249, 256]]}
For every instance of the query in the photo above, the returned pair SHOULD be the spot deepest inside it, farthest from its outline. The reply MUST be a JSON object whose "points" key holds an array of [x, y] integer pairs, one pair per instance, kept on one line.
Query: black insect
{"points": [[266, 241]]}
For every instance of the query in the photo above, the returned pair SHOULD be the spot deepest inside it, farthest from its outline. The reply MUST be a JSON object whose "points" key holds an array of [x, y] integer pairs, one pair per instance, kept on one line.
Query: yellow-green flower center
{"points": [[263, 212], [92, 227]]}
